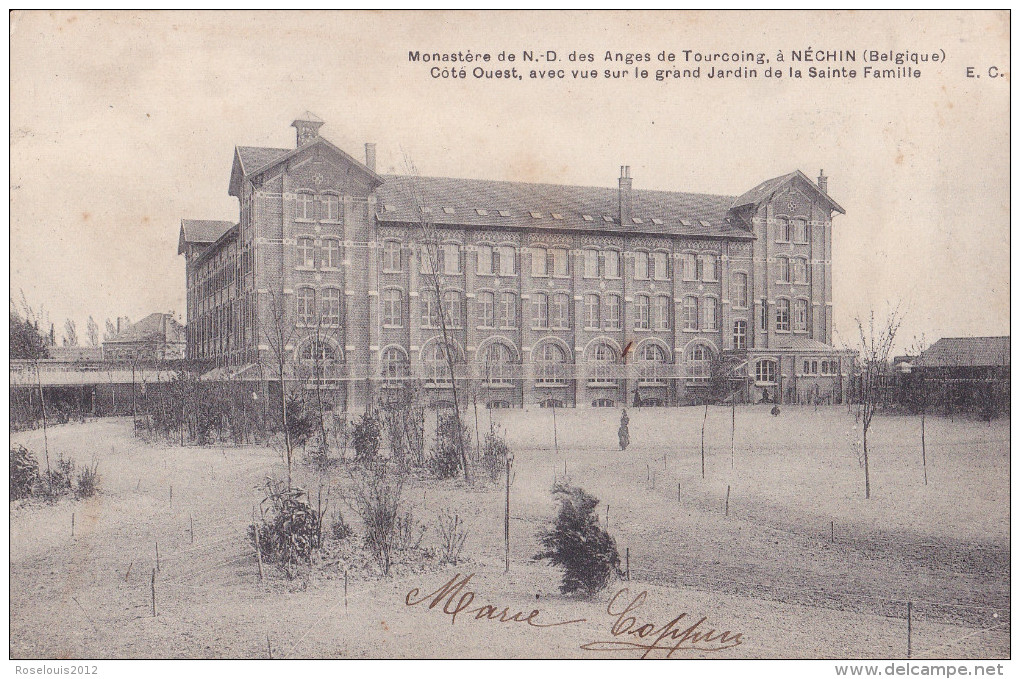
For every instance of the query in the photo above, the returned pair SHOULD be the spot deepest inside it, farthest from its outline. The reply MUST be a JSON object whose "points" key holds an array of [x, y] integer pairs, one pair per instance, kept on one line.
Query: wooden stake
{"points": [[258, 552], [628, 564], [128, 571], [192, 529], [171, 496], [345, 589], [157, 555], [138, 485], [154, 592], [664, 468], [607, 517], [909, 630], [832, 532], [727, 500], [72, 524], [269, 646], [678, 492]]}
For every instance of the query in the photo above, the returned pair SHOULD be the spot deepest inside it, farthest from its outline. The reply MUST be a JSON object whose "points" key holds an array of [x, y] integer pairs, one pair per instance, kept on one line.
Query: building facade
{"points": [[157, 337], [541, 294]]}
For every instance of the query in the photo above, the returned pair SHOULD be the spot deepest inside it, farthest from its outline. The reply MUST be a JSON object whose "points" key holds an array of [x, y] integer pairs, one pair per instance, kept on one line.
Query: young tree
{"points": [[25, 340], [874, 346], [93, 332], [430, 241], [921, 396], [278, 332], [70, 333], [111, 330]]}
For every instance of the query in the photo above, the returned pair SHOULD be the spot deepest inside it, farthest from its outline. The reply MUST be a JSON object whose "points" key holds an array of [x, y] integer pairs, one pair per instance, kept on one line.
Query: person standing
{"points": [[624, 431]]}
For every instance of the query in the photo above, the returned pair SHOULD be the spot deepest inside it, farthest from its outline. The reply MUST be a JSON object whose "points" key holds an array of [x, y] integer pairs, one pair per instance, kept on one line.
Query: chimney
{"points": [[626, 186], [307, 126], [823, 182], [370, 156]]}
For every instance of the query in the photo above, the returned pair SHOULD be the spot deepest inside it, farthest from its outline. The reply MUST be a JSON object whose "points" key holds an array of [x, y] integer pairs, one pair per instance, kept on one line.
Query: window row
{"points": [[328, 253], [811, 367], [310, 207], [799, 315], [327, 312], [793, 270], [791, 230]]}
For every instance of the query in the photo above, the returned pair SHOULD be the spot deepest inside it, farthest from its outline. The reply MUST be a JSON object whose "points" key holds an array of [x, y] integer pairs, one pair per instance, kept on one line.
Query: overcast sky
{"points": [[122, 124]]}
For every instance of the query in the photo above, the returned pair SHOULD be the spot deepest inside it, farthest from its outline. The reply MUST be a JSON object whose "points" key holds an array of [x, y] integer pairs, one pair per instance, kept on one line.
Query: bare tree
{"points": [[278, 332], [921, 395], [93, 332], [111, 330], [875, 344], [431, 243]]}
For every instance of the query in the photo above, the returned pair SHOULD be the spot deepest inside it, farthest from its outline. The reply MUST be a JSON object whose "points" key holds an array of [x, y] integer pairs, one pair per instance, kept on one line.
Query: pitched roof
{"points": [[150, 329], [254, 157], [768, 187], [552, 206], [802, 344], [960, 352], [253, 160], [203, 230]]}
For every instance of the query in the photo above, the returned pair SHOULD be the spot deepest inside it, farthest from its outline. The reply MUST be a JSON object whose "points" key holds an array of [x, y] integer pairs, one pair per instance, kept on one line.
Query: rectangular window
{"points": [[331, 208], [540, 310], [763, 315], [662, 309], [641, 266], [591, 311], [690, 309], [331, 307], [306, 306], [508, 310], [690, 266], [484, 260], [784, 269], [431, 258], [560, 311], [451, 259], [393, 308], [739, 291], [611, 263], [711, 313], [560, 262], [800, 270], [800, 231], [740, 335], [783, 230], [507, 260], [486, 309], [800, 314], [305, 206], [709, 266], [660, 265], [306, 252], [641, 321], [429, 309], [454, 306], [613, 312], [591, 263], [331, 253], [391, 256], [539, 262], [783, 315]]}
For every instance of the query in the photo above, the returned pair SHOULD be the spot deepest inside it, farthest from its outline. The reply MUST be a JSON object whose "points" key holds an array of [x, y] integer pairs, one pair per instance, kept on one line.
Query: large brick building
{"points": [[552, 294]]}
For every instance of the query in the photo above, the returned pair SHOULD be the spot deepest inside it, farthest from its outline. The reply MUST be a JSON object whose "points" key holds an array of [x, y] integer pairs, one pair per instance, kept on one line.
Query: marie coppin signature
{"points": [[629, 633]]}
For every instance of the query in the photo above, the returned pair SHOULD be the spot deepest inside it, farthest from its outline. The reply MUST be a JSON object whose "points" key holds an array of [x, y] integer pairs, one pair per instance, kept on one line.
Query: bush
{"points": [[290, 530], [341, 529], [446, 460], [24, 472], [300, 422], [579, 544], [61, 478], [378, 499], [452, 536], [88, 482], [494, 455], [365, 436]]}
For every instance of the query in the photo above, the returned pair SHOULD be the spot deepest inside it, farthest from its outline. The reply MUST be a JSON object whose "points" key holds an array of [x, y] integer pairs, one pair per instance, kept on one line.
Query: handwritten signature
{"points": [[456, 605], [647, 637]]}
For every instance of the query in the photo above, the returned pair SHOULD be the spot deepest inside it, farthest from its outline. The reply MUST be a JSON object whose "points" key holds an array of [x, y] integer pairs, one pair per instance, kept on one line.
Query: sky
{"points": [[123, 123]]}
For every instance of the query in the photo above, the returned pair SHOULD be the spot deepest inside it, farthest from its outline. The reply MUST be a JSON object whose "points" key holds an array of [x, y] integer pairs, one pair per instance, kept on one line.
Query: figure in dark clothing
{"points": [[624, 431]]}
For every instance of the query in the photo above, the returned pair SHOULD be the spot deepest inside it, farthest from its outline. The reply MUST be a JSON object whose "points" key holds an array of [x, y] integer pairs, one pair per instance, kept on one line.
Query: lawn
{"points": [[799, 563]]}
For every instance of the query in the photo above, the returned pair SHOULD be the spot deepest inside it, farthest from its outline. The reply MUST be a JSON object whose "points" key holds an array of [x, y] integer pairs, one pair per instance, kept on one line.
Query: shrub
{"points": [[494, 455], [290, 529], [451, 537], [365, 436], [378, 500], [300, 422], [61, 478], [341, 529], [446, 459], [88, 482], [579, 544], [24, 472]]}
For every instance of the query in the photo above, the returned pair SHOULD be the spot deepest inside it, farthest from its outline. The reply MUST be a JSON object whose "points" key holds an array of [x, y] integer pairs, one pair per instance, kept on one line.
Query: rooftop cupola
{"points": [[307, 125]]}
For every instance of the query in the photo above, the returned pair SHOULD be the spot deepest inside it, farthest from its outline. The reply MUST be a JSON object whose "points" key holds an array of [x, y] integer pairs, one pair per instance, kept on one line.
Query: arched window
{"points": [[305, 206], [539, 261], [782, 315], [603, 403], [783, 263], [591, 312], [612, 318], [783, 230], [800, 315], [765, 371], [391, 256], [540, 310], [507, 310], [551, 403], [487, 309], [651, 364], [394, 365], [507, 255], [663, 307], [454, 303], [690, 310], [393, 308], [318, 351], [331, 208], [498, 405], [602, 361], [498, 364], [437, 370], [560, 262], [451, 259], [641, 312], [660, 266], [550, 364], [800, 230], [739, 293], [699, 362], [641, 265], [306, 306], [485, 260], [591, 263], [709, 267], [559, 310], [611, 263], [331, 253], [689, 262], [330, 307]]}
